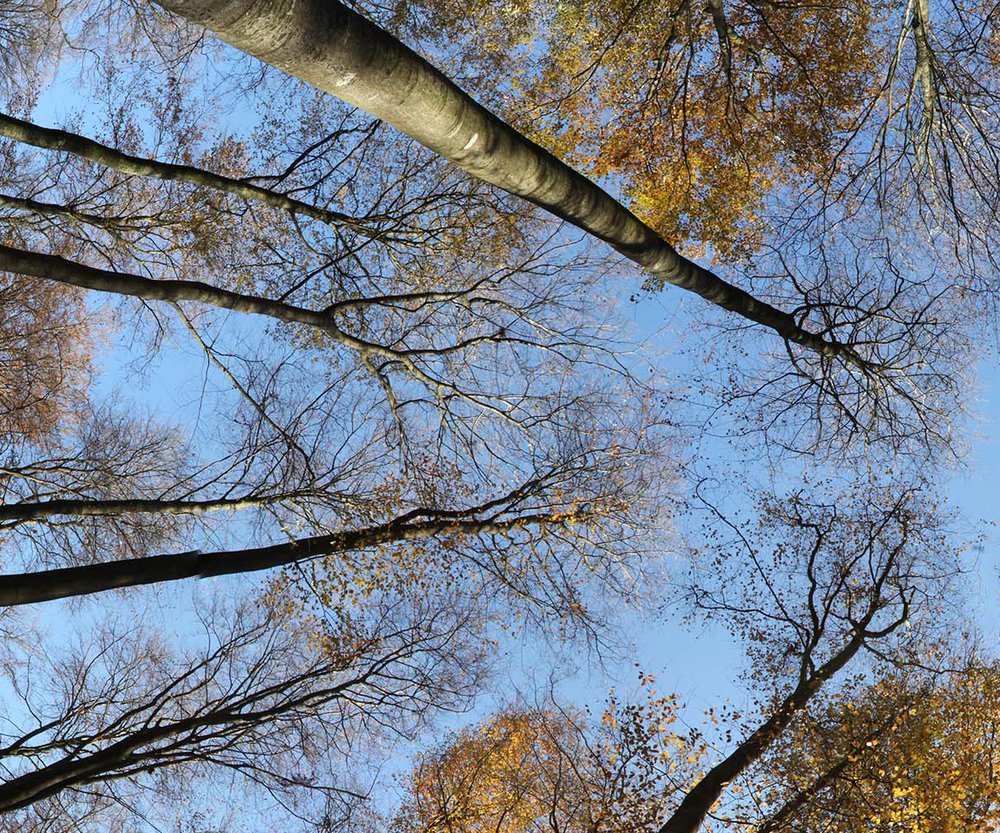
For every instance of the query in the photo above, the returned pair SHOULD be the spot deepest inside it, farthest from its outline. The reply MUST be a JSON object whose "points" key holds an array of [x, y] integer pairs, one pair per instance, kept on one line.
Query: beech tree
{"points": [[106, 722], [419, 351], [844, 370], [829, 578], [381, 403], [708, 113], [701, 112], [388, 385], [341, 52], [850, 363]]}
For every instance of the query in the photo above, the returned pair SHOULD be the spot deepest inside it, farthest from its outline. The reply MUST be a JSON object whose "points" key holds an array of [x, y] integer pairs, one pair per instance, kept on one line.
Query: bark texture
{"points": [[337, 50]]}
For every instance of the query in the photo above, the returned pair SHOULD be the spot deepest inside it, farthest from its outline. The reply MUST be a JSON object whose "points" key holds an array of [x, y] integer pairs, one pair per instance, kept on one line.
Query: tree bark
{"points": [[337, 50], [692, 811], [55, 268], [33, 511]]}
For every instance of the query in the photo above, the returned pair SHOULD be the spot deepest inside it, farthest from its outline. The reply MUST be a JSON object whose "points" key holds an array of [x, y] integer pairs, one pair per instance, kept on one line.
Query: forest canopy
{"points": [[508, 375]]}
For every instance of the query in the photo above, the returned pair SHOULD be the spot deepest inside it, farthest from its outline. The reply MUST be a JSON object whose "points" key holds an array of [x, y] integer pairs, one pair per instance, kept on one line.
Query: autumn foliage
{"points": [[44, 357], [899, 755], [697, 112], [412, 393], [532, 770]]}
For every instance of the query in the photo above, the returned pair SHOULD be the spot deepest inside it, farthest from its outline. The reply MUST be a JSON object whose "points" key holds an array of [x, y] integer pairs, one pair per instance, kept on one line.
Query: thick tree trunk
{"points": [[335, 49], [55, 268]]}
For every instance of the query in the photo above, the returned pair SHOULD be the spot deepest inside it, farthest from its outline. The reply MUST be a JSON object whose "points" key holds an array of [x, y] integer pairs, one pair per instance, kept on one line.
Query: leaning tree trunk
{"points": [[691, 813], [66, 582], [337, 50]]}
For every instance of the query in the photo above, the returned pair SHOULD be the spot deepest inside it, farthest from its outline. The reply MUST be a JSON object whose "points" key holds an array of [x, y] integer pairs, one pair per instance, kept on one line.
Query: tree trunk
{"points": [[692, 811], [46, 585], [337, 50]]}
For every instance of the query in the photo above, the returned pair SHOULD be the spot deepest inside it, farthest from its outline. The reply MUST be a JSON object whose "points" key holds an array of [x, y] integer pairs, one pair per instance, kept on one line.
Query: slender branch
{"points": [[225, 716], [241, 389], [65, 211], [691, 812], [791, 807], [52, 139], [53, 267], [693, 809]]}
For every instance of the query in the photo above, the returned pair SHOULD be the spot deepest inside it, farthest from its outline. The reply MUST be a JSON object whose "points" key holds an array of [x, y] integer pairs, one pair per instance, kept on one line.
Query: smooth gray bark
{"points": [[55, 268], [337, 50], [40, 510]]}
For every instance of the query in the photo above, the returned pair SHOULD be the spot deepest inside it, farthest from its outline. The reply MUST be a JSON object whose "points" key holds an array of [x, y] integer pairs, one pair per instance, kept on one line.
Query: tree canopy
{"points": [[456, 348]]}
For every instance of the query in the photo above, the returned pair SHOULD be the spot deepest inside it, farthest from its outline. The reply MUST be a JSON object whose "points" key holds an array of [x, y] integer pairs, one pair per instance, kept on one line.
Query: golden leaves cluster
{"points": [[530, 770], [45, 357], [696, 112], [901, 758]]}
